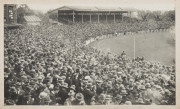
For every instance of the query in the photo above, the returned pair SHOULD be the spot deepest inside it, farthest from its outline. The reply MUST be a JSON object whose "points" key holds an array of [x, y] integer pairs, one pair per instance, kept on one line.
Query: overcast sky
{"points": [[138, 4]]}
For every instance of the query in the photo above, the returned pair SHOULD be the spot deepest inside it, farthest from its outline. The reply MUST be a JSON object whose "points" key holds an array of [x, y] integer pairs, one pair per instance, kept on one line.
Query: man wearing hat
{"points": [[52, 95], [128, 103], [108, 100], [71, 97], [42, 95], [118, 99], [123, 93], [13, 93], [68, 80], [47, 100], [88, 93], [101, 99], [140, 101], [99, 89], [79, 99], [63, 93]]}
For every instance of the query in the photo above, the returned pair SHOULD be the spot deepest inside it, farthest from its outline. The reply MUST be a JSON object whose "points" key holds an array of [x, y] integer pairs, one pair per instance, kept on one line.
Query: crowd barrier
{"points": [[123, 34]]}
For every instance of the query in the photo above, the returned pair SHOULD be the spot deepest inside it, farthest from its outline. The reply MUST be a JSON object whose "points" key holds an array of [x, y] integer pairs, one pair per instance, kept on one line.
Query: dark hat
{"points": [[56, 88], [27, 94], [73, 87], [48, 78], [32, 83], [148, 85], [71, 92]]}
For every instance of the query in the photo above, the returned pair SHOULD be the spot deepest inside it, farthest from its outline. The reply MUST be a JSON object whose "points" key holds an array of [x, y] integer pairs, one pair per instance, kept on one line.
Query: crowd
{"points": [[51, 65]]}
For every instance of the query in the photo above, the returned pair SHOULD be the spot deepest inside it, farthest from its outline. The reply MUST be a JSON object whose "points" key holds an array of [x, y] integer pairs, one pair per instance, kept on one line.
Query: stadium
{"points": [[90, 56]]}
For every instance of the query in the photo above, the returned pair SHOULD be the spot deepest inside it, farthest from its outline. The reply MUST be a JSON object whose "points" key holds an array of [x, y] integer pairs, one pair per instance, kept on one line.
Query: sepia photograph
{"points": [[85, 53]]}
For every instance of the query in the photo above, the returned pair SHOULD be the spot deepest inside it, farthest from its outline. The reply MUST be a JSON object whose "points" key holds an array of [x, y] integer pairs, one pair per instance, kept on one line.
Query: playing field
{"points": [[159, 47]]}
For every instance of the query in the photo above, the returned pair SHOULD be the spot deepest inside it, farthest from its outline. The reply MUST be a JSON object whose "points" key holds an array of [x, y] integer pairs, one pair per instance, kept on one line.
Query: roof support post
{"points": [[122, 17], [130, 17], [58, 18], [73, 16], [114, 18], [82, 19], [106, 18], [98, 18], [90, 18]]}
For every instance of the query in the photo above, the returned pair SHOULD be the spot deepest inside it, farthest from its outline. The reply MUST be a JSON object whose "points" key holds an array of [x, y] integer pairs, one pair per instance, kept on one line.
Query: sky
{"points": [[152, 5]]}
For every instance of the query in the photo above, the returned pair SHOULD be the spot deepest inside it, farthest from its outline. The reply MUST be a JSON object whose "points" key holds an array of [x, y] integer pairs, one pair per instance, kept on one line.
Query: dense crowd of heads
{"points": [[51, 65]]}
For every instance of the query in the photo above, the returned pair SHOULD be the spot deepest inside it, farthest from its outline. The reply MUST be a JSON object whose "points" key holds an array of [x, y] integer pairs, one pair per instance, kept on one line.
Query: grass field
{"points": [[159, 47]]}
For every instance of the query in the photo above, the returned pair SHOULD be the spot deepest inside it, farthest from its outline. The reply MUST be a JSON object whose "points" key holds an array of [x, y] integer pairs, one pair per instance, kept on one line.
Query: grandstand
{"points": [[72, 14]]}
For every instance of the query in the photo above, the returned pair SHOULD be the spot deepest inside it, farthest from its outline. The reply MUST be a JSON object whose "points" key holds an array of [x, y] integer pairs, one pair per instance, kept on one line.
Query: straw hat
{"points": [[60, 79], [142, 87], [140, 100], [118, 97], [99, 81], [43, 95], [128, 103], [108, 97], [123, 92], [102, 96], [79, 96], [167, 92]]}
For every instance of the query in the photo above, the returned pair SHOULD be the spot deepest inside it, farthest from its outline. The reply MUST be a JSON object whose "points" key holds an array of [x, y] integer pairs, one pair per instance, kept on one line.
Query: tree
{"points": [[23, 10], [157, 15], [143, 14], [169, 15]]}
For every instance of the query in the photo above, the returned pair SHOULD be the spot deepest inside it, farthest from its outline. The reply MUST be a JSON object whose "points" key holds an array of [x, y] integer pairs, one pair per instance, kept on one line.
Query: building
{"points": [[10, 13], [72, 14]]}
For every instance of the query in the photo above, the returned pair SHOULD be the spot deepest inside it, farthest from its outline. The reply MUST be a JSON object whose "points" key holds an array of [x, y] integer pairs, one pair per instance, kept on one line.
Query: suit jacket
{"points": [[88, 94]]}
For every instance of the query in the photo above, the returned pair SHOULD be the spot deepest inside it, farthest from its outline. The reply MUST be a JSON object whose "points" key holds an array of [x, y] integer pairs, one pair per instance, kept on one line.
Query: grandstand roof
{"points": [[32, 18], [90, 9]]}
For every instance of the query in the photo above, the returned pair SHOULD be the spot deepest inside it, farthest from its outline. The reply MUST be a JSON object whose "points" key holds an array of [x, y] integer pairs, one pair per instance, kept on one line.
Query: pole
{"points": [[134, 46], [114, 18], [122, 17], [82, 19], [98, 18], [90, 18], [73, 16], [106, 18]]}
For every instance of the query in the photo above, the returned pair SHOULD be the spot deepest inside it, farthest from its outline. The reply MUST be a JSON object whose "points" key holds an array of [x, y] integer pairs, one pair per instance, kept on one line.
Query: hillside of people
{"points": [[52, 65]]}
